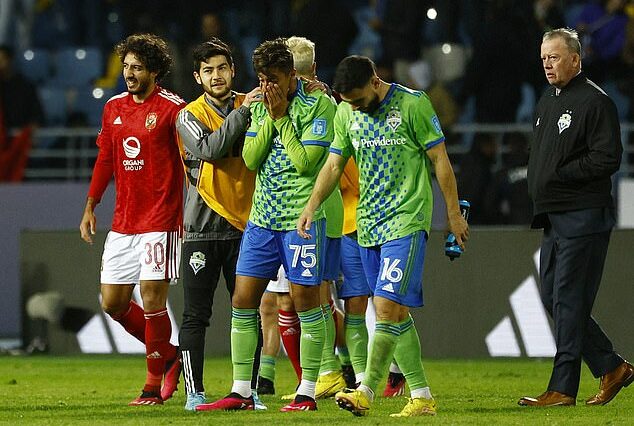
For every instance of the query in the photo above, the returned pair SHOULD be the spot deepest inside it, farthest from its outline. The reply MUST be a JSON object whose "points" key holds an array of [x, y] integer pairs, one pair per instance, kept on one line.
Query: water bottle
{"points": [[452, 249]]}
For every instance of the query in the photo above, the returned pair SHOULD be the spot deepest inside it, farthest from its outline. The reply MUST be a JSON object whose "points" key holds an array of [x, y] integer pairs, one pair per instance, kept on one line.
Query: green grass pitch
{"points": [[46, 390]]}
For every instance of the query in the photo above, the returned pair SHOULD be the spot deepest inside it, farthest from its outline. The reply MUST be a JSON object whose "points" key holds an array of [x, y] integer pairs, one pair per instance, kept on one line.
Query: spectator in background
{"points": [[399, 23], [319, 21], [496, 71], [601, 27], [20, 112], [506, 200], [212, 26], [475, 175]]}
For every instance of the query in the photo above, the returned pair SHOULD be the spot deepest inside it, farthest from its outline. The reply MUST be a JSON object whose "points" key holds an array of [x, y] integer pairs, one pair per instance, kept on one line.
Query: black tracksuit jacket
{"points": [[575, 150]]}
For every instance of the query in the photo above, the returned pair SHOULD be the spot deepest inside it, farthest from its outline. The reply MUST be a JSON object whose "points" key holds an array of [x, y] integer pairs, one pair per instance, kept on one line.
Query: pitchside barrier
{"points": [[485, 304]]}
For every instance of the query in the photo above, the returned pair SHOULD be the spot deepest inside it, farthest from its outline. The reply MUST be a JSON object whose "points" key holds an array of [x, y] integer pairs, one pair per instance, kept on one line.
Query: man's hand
{"points": [[304, 222], [459, 227], [88, 224], [275, 101], [312, 85], [254, 95]]}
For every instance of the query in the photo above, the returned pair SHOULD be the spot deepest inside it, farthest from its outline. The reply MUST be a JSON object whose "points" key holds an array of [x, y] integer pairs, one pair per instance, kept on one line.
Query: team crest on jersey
{"points": [[150, 120], [197, 261], [564, 121], [319, 126], [393, 119]]}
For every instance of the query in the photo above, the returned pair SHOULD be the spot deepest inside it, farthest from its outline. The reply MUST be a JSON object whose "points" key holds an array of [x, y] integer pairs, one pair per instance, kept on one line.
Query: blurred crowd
{"points": [[477, 59]]}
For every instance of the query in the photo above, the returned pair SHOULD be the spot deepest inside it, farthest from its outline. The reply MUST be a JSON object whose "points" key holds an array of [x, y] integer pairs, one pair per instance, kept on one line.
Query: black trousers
{"points": [[202, 263], [573, 251]]}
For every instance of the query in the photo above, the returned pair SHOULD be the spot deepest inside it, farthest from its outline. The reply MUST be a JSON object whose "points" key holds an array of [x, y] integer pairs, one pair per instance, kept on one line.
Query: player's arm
{"points": [[447, 182], [206, 144], [101, 175], [326, 182], [257, 141], [304, 158], [306, 152]]}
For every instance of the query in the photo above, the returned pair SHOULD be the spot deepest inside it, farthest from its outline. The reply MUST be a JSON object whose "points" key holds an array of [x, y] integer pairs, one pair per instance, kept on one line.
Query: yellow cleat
{"points": [[353, 400], [329, 384], [418, 407], [289, 397]]}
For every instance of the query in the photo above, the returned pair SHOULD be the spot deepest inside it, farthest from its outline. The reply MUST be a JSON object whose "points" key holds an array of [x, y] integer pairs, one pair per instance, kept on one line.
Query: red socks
{"points": [[133, 321], [290, 332], [158, 348]]}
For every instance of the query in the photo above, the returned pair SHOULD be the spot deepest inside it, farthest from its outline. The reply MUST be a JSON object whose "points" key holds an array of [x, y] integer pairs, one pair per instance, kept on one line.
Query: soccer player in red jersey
{"points": [[138, 145]]}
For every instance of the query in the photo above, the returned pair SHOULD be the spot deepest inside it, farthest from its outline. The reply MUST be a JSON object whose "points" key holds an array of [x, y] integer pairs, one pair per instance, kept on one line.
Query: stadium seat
{"points": [[90, 102], [34, 64], [54, 104], [448, 61], [77, 66]]}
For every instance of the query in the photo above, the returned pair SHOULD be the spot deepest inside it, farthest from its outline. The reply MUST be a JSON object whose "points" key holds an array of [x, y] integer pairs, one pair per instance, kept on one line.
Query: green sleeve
{"points": [[425, 123], [304, 158], [341, 144], [258, 139]]}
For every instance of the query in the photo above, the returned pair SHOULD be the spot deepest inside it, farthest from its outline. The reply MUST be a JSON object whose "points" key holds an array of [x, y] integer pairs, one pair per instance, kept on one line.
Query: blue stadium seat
{"points": [[77, 66], [90, 102], [54, 104], [34, 64]]}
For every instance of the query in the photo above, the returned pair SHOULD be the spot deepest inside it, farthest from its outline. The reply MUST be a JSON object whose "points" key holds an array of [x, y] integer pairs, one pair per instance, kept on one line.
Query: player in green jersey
{"points": [[396, 138], [286, 144]]}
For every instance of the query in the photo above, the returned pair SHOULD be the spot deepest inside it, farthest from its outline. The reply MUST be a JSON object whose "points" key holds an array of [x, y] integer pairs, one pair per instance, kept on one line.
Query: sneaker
{"points": [[329, 384], [265, 386], [257, 402], [171, 377], [194, 400], [147, 398], [355, 401], [300, 403], [395, 385], [348, 376], [418, 407], [233, 401]]}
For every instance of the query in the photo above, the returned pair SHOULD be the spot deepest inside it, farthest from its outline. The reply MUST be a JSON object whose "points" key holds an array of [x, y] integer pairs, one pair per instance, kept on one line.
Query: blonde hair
{"points": [[303, 55]]}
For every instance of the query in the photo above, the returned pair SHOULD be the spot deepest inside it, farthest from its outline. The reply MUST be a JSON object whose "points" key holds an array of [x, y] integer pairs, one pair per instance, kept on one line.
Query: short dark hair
{"points": [[353, 72], [150, 49], [273, 54], [212, 47]]}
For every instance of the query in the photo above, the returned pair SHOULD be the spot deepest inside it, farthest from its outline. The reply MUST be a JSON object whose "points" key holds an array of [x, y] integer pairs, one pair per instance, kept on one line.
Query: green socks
{"points": [[386, 336], [357, 341], [408, 355], [267, 367], [329, 361], [311, 342], [244, 340]]}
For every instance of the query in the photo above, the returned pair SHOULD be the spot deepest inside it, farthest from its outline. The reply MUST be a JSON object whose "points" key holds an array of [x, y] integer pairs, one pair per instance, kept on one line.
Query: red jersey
{"points": [[138, 144]]}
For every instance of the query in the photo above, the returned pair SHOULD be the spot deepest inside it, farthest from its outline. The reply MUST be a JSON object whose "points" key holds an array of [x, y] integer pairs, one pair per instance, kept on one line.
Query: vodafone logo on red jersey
{"points": [[132, 149]]}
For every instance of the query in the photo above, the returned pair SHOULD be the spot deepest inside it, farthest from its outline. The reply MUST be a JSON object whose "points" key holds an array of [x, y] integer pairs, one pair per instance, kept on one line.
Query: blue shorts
{"points": [[262, 251], [333, 259], [396, 269], [354, 280]]}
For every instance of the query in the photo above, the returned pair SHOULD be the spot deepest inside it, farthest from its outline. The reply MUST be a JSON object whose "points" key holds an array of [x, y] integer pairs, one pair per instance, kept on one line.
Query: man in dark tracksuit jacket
{"points": [[211, 129], [576, 150]]}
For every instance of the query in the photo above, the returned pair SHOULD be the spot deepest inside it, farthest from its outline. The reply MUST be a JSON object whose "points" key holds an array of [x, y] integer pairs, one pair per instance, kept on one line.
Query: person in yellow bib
{"points": [[211, 129]]}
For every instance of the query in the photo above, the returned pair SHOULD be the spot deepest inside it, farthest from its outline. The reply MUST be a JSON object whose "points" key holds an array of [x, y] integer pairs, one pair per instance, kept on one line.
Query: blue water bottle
{"points": [[452, 249]]}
